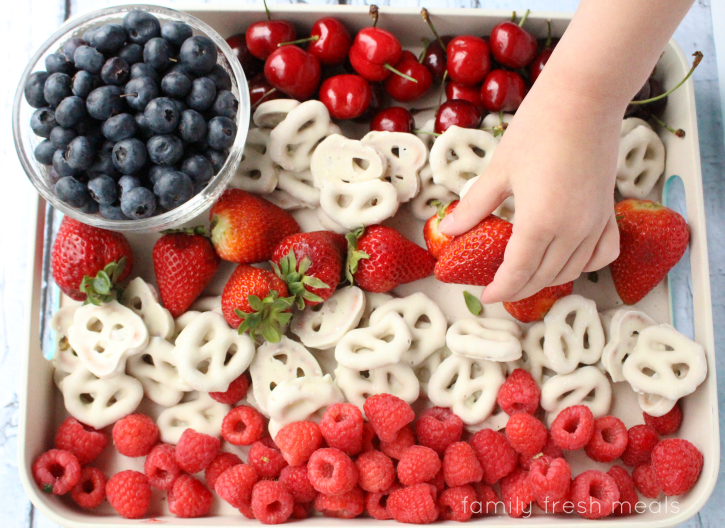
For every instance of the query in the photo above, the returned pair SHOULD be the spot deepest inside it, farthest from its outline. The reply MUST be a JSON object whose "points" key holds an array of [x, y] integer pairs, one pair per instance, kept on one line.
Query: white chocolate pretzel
{"points": [[426, 369], [485, 338], [299, 185], [398, 380], [655, 405], [143, 299], [65, 360], [506, 210], [533, 359], [421, 206], [382, 343], [405, 155], [203, 415], [324, 325], [156, 369], [641, 159], [493, 120], [460, 154], [207, 303], [328, 223], [585, 386], [373, 301], [271, 113], [353, 205], [495, 422], [341, 160], [285, 200], [256, 172], [622, 328]]}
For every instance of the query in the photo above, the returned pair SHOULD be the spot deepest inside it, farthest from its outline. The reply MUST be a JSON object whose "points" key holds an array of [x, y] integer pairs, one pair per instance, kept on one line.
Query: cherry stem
{"points": [[695, 64], [426, 133], [679, 132], [374, 12], [415, 111], [548, 33], [426, 43], [426, 16], [269, 15], [404, 76], [526, 15], [513, 16], [132, 94], [261, 99], [443, 88], [313, 38]]}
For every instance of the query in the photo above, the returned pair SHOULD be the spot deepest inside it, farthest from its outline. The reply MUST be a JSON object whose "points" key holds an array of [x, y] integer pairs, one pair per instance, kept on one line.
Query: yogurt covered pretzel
{"points": [[341, 160], [271, 113], [405, 155], [485, 338], [208, 303], [299, 185], [324, 325], [622, 328], [533, 359], [373, 301], [655, 405], [382, 343], [398, 380], [353, 205], [143, 299], [285, 200], [460, 154], [65, 360], [156, 369], [584, 386], [256, 172], [641, 159], [425, 370], [421, 206], [203, 415]]}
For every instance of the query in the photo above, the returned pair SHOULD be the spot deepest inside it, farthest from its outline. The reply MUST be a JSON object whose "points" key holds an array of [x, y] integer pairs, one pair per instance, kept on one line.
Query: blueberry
{"points": [[115, 71], [138, 203], [70, 111], [199, 53], [79, 153], [88, 59], [180, 105], [162, 115], [109, 38], [103, 189], [88, 35], [89, 127], [121, 126], [61, 136], [198, 168], [105, 102], [173, 189], [216, 158], [141, 26], [222, 132], [57, 88], [183, 69], [202, 94], [129, 155], [140, 91], [157, 171], [70, 47], [42, 122], [44, 152], [126, 183], [225, 104], [157, 52], [60, 164], [131, 53], [34, 87], [165, 150], [52, 176], [72, 192], [112, 212], [59, 63], [176, 32], [220, 77], [141, 69], [84, 83], [143, 127], [90, 208], [175, 84], [103, 162]]}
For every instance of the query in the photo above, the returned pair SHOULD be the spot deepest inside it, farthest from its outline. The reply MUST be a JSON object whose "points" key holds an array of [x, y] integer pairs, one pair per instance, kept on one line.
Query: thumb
{"points": [[480, 201]]}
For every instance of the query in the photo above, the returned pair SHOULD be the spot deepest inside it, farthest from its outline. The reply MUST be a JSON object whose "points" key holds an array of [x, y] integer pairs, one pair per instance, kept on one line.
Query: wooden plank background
{"points": [[27, 23]]}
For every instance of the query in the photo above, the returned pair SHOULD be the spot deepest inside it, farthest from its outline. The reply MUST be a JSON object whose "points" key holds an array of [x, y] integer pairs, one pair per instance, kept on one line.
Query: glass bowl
{"points": [[26, 141]]}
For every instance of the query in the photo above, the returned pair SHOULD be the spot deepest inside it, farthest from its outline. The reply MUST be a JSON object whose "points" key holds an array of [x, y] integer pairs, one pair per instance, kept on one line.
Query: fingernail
{"points": [[446, 223]]}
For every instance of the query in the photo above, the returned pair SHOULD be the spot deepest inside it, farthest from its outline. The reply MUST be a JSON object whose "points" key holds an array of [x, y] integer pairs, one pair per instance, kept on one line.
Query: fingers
{"points": [[575, 265], [607, 248], [480, 201]]}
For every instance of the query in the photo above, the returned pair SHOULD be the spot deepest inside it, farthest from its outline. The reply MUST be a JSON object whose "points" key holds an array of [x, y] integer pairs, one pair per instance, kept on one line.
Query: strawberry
{"points": [[82, 251], [184, 263], [255, 300], [434, 239], [534, 308], [311, 265], [246, 228], [474, 257], [652, 239], [380, 259]]}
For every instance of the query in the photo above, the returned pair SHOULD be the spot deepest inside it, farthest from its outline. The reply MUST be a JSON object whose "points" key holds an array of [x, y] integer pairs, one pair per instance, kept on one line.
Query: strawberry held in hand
{"points": [[434, 239], [246, 228], [534, 308], [184, 263], [652, 239]]}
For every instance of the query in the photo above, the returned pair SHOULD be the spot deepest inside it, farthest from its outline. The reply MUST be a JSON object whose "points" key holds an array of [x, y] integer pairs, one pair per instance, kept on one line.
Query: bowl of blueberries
{"points": [[132, 118]]}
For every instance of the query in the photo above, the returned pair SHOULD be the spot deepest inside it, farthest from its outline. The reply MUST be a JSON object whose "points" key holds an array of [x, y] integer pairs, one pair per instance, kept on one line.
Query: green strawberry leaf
{"points": [[472, 303], [354, 256], [103, 288], [293, 273]]}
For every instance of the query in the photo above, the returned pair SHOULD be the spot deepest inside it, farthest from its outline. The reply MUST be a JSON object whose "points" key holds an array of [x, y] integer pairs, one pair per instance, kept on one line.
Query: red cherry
{"points": [[472, 94], [263, 37], [331, 41], [459, 113], [261, 91], [345, 96], [511, 45], [435, 57], [537, 65], [468, 60], [250, 64], [377, 100], [503, 91], [400, 88], [373, 52], [393, 119], [293, 71]]}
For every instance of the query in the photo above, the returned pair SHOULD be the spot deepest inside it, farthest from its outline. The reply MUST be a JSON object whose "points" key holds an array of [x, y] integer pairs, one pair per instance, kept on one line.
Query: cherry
{"points": [[345, 96], [537, 65], [332, 43], [472, 94], [373, 52], [264, 37], [502, 91], [642, 94], [468, 60], [459, 113], [435, 57], [400, 88], [250, 64], [377, 100], [512, 45], [656, 89], [393, 119], [261, 91], [293, 71]]}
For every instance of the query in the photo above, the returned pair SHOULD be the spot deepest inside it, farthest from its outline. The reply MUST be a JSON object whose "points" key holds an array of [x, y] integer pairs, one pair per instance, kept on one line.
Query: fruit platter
{"points": [[248, 314]]}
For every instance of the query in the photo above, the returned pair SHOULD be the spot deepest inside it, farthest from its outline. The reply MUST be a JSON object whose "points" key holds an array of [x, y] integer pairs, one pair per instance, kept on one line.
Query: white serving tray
{"points": [[41, 407]]}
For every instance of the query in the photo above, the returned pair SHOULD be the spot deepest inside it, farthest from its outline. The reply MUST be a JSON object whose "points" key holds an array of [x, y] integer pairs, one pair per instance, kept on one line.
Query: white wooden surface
{"points": [[25, 24]]}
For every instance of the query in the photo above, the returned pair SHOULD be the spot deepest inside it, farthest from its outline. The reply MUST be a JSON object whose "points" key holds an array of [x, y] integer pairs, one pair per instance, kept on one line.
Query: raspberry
{"points": [[439, 481], [627, 493], [344, 506], [298, 440], [667, 424], [414, 504], [558, 506], [456, 504], [487, 501], [161, 468], [129, 493], [460, 465], [642, 439], [594, 494], [221, 463], [516, 493], [400, 444], [195, 451], [388, 414], [56, 471], [246, 510], [301, 510], [331, 471], [235, 484], [82, 441], [495, 454], [90, 490], [370, 440], [549, 479], [271, 502], [135, 435], [266, 459], [438, 428], [342, 427], [550, 449], [677, 464], [519, 392], [418, 464], [298, 483], [608, 441], [646, 480], [236, 391], [526, 434], [376, 503], [376, 471], [573, 427], [189, 498], [243, 425]]}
